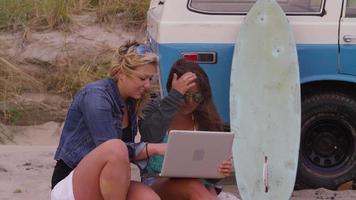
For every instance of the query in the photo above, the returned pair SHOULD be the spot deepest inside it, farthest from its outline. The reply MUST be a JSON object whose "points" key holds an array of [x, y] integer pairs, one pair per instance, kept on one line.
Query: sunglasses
{"points": [[143, 49], [196, 97]]}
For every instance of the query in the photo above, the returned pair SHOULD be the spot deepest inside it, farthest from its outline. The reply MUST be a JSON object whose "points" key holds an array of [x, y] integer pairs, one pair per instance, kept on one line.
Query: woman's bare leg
{"points": [[104, 173], [140, 191], [182, 189]]}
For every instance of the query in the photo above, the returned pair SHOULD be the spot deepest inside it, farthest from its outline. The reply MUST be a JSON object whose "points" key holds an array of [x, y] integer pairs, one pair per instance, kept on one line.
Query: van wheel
{"points": [[327, 155]]}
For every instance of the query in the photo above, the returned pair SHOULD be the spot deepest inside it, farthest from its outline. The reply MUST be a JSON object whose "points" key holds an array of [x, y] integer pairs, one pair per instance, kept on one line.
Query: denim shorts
{"points": [[148, 180]]}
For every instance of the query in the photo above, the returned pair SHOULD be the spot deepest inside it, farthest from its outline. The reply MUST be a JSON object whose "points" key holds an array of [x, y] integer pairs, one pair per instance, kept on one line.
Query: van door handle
{"points": [[349, 38]]}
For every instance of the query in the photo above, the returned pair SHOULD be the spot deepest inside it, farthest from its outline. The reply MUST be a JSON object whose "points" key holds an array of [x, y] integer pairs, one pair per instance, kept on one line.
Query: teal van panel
{"points": [[348, 59], [318, 59]]}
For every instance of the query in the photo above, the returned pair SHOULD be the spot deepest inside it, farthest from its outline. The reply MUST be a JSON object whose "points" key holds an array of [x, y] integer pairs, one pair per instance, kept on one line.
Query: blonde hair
{"points": [[127, 59]]}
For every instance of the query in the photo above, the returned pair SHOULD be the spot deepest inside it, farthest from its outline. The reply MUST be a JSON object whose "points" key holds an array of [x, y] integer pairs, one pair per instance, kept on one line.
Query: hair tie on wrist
{"points": [[148, 156]]}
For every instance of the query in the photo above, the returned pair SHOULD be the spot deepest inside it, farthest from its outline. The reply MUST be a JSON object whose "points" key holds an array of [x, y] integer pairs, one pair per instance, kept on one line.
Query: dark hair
{"points": [[205, 114]]}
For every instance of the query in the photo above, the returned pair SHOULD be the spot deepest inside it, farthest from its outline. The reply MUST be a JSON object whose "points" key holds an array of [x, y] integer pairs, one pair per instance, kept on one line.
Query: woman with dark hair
{"points": [[188, 106]]}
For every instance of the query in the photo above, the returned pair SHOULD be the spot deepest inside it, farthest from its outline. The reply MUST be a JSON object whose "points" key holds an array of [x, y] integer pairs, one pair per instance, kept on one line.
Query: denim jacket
{"points": [[94, 117]]}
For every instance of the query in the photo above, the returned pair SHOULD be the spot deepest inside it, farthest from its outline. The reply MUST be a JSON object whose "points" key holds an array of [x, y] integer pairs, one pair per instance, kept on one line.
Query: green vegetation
{"points": [[48, 14], [13, 81], [135, 12], [67, 78], [17, 14], [64, 77], [13, 115]]}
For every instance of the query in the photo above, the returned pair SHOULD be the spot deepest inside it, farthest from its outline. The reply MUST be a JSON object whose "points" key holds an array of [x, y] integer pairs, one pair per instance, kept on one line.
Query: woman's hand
{"points": [[225, 167], [183, 83]]}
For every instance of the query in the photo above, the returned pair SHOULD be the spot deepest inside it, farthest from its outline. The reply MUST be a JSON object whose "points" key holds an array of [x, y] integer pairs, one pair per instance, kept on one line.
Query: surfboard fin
{"points": [[265, 174]]}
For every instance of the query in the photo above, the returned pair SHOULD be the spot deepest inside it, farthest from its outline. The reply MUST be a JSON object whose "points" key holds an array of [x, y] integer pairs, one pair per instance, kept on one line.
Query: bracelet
{"points": [[147, 155]]}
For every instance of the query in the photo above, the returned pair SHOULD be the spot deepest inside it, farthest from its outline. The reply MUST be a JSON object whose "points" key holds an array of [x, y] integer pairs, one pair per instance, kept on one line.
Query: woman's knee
{"points": [[195, 184], [115, 150], [153, 196], [182, 189], [148, 195], [141, 191], [196, 189]]}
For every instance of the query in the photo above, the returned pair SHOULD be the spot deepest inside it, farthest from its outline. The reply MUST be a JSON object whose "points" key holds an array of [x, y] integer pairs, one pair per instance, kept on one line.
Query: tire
{"points": [[327, 155]]}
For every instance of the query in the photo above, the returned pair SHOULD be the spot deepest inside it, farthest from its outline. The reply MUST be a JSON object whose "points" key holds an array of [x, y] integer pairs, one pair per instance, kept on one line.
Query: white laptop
{"points": [[196, 154]]}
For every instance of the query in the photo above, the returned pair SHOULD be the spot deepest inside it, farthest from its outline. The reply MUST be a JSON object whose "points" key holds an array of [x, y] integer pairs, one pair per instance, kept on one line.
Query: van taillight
{"points": [[200, 57], [190, 56]]}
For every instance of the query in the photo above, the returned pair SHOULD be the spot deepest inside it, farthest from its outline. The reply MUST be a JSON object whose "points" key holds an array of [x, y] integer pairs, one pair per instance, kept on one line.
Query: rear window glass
{"points": [[297, 7]]}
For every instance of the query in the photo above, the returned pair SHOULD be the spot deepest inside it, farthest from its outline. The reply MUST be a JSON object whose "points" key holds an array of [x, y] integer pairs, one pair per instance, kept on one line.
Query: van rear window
{"points": [[290, 7]]}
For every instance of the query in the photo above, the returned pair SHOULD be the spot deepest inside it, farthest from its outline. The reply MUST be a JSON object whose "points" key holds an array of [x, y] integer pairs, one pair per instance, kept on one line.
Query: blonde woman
{"points": [[97, 141]]}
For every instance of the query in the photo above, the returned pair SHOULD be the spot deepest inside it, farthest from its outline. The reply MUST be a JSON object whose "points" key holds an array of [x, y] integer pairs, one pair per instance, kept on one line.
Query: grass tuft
{"points": [[67, 78], [50, 14], [13, 82], [135, 12]]}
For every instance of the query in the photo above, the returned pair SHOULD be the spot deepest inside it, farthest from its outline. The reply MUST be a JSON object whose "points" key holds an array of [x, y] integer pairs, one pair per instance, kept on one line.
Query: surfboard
{"points": [[265, 110]]}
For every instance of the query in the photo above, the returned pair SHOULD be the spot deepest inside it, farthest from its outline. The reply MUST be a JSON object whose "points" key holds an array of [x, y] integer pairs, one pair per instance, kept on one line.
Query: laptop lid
{"points": [[196, 154]]}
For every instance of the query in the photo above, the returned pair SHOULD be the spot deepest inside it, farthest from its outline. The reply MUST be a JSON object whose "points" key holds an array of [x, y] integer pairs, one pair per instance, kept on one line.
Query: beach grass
{"points": [[63, 79], [49, 14], [67, 76], [38, 14], [13, 82]]}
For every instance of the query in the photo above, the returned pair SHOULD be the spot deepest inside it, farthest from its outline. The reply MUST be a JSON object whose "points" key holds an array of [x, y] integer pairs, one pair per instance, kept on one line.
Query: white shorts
{"points": [[64, 189]]}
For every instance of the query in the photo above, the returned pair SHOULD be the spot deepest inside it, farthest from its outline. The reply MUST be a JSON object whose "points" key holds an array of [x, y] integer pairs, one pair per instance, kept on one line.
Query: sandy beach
{"points": [[26, 165]]}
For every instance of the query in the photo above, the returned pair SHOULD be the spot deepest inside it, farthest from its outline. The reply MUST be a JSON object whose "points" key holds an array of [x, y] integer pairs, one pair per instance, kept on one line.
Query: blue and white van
{"points": [[205, 31]]}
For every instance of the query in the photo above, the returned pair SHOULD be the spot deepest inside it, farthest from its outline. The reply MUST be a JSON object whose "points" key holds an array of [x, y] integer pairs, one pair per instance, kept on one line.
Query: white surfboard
{"points": [[265, 108]]}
